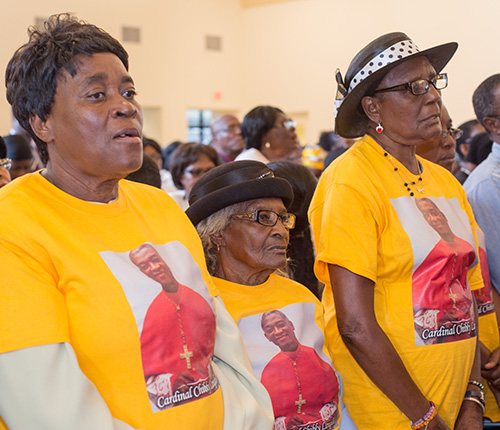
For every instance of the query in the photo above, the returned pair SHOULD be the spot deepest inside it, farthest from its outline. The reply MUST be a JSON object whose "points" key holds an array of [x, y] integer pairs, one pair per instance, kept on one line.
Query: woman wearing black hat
{"points": [[239, 210], [405, 355]]}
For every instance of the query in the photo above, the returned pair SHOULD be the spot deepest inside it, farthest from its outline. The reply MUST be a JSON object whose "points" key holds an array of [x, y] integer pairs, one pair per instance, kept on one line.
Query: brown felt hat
{"points": [[369, 67], [235, 182]]}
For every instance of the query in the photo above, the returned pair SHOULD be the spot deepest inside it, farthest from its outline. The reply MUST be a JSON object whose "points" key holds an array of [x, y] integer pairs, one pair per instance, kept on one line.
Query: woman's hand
{"points": [[491, 369]]}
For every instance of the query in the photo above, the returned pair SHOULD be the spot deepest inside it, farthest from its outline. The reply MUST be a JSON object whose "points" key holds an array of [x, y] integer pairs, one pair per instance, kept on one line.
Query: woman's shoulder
{"points": [[441, 176], [252, 154], [142, 194], [355, 162]]}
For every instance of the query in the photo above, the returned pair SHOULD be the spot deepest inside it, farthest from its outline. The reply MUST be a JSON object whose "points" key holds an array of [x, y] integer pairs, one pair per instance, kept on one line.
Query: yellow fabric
{"points": [[276, 293], [356, 225], [56, 287]]}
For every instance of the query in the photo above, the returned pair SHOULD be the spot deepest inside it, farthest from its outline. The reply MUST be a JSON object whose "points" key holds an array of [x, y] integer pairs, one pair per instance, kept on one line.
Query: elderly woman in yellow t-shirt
{"points": [[404, 361], [240, 212]]}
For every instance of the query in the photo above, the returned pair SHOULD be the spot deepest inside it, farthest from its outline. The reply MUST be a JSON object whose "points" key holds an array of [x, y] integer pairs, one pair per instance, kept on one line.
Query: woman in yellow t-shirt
{"points": [[94, 266], [239, 210], [405, 350]]}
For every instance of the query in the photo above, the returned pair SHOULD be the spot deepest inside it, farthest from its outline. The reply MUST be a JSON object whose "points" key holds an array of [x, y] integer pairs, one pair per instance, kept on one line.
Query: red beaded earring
{"points": [[379, 129]]}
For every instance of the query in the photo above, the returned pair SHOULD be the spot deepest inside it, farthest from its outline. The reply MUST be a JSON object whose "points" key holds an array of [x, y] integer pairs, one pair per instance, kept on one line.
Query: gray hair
{"points": [[484, 100], [211, 227]]}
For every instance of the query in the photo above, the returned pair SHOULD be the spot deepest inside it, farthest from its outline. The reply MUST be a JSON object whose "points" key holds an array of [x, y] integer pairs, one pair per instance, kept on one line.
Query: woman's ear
{"points": [[370, 107], [218, 239], [42, 128]]}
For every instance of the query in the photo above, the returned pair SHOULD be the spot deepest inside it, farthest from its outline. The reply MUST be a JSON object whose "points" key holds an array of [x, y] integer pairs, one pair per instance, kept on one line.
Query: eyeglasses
{"points": [[420, 86], [6, 163], [456, 133], [268, 218], [197, 172], [231, 129], [288, 124]]}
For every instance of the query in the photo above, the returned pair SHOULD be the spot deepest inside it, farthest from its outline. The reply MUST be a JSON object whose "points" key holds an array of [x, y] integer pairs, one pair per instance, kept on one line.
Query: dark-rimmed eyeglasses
{"points": [[456, 133], [6, 163], [197, 172], [420, 86], [289, 124], [268, 218]]}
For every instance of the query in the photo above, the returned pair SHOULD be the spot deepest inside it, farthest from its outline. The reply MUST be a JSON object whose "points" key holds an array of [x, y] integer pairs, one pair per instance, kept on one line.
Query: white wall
{"points": [[283, 54], [171, 68], [293, 49]]}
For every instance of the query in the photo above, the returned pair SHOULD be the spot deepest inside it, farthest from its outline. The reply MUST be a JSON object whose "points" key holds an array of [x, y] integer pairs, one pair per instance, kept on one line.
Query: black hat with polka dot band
{"points": [[369, 67]]}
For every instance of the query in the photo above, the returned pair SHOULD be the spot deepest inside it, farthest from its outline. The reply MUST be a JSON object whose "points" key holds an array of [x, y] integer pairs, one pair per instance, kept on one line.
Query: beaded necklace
{"points": [[301, 401], [186, 355], [408, 184]]}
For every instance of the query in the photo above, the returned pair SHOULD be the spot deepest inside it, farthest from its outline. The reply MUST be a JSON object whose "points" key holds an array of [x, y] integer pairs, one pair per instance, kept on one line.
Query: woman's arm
{"points": [[43, 388], [370, 346]]}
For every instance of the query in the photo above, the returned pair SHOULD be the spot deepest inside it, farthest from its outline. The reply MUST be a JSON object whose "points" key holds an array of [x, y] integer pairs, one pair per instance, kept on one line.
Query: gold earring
{"points": [[267, 145]]}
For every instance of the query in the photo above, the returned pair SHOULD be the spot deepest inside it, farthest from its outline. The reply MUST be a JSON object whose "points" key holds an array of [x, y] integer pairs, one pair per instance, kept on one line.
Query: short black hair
{"points": [[168, 151], [484, 100], [186, 154], [257, 123], [146, 141], [3, 149], [32, 73], [467, 127]]}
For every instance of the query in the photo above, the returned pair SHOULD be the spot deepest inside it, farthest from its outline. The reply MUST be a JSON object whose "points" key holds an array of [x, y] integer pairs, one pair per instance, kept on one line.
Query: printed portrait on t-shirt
{"points": [[443, 251], [286, 351], [484, 298], [175, 317]]}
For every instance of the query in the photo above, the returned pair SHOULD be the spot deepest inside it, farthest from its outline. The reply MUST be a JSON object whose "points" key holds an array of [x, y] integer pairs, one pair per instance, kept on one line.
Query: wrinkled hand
{"points": [[185, 377], [294, 422], [491, 369]]}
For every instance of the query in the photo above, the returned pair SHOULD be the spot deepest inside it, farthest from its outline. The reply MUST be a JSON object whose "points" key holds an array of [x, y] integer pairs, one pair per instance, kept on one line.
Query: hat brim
{"points": [[237, 193], [351, 122]]}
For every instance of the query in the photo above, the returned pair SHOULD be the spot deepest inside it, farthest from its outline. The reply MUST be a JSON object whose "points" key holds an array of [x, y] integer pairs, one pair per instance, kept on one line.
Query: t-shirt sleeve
{"points": [[33, 309], [74, 402], [348, 233], [474, 275]]}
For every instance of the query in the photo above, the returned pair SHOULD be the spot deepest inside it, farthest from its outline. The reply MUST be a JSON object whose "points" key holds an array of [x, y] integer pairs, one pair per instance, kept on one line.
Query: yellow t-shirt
{"points": [[364, 219], [67, 277], [247, 305]]}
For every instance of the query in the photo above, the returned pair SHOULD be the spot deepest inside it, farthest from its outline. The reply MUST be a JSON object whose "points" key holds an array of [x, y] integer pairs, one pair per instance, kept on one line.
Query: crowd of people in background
{"points": [[348, 284]]}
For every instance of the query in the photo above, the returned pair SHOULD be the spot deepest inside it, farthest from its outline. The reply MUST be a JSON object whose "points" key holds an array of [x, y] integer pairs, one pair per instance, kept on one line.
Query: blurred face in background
{"points": [[281, 142], [20, 168], [195, 171], [226, 136], [441, 150], [155, 155]]}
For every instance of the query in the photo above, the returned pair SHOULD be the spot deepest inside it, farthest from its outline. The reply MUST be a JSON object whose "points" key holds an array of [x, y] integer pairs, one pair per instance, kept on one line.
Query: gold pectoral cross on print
{"points": [[299, 403], [186, 356]]}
